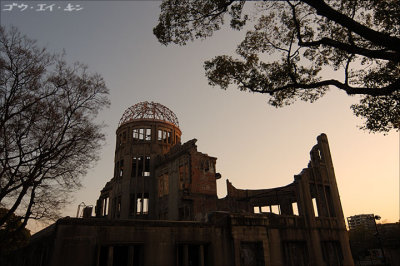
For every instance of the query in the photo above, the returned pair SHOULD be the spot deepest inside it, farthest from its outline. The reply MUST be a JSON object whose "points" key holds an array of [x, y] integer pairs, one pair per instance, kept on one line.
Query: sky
{"points": [[257, 145]]}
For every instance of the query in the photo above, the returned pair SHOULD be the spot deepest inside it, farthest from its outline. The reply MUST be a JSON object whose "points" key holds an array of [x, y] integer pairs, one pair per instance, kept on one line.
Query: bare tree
{"points": [[292, 41], [48, 134]]}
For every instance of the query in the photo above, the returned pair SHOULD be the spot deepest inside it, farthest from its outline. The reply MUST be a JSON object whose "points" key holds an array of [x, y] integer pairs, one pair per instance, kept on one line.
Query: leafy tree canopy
{"points": [[291, 42]]}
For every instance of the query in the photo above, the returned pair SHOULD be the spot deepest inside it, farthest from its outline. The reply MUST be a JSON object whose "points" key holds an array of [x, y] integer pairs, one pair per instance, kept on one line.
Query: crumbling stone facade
{"points": [[145, 131], [155, 176], [161, 208]]}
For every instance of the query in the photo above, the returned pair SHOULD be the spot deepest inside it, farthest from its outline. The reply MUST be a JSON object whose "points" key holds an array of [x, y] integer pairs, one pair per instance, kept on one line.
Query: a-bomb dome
{"points": [[148, 111]]}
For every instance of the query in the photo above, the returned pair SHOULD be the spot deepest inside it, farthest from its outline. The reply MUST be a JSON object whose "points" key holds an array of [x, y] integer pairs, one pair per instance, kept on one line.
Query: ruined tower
{"points": [[146, 130], [155, 176]]}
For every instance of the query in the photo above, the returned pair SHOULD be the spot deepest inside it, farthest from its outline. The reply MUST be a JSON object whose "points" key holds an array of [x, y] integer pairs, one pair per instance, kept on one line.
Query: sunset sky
{"points": [[257, 145]]}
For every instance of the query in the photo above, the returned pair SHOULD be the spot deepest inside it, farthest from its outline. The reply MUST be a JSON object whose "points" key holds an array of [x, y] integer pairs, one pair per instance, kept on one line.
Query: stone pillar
{"points": [[110, 256], [305, 200], [337, 206], [201, 255], [327, 160], [275, 248], [185, 255]]}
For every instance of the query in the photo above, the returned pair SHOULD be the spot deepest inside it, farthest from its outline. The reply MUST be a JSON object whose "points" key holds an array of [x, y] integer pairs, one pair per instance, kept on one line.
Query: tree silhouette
{"points": [[293, 41], [48, 133]]}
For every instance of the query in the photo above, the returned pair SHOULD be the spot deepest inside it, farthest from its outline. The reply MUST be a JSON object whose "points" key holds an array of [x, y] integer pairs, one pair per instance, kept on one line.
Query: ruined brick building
{"points": [[161, 208]]}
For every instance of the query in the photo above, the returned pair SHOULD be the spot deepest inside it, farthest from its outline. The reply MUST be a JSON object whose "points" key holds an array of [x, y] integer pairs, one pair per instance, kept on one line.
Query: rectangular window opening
{"points": [[314, 201], [131, 204], [120, 255], [159, 135], [169, 137], [147, 166], [105, 206], [142, 203], [252, 253], [206, 165], [148, 133], [134, 167], [141, 133], [212, 167], [119, 206], [103, 257], [295, 208], [164, 136], [145, 205], [136, 134], [193, 254], [140, 161], [295, 253], [121, 168], [139, 204], [275, 209], [138, 255]]}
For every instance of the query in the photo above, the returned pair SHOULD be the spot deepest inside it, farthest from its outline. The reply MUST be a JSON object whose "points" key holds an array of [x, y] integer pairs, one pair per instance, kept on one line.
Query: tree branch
{"points": [[377, 38], [387, 90], [352, 49]]}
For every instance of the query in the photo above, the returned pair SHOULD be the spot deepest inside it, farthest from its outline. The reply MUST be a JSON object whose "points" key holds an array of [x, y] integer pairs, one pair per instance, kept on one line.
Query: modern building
{"points": [[363, 221], [161, 208], [374, 244]]}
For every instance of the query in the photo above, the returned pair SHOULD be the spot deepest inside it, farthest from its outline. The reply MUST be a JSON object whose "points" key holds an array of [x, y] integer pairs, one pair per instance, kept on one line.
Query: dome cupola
{"points": [[149, 111]]}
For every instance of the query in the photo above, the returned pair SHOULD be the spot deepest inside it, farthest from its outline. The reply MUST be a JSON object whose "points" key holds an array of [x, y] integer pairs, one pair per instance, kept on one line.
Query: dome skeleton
{"points": [[149, 111]]}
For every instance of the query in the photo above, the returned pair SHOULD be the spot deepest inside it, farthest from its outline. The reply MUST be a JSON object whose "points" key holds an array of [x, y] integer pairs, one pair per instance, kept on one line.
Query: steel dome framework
{"points": [[148, 111]]}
